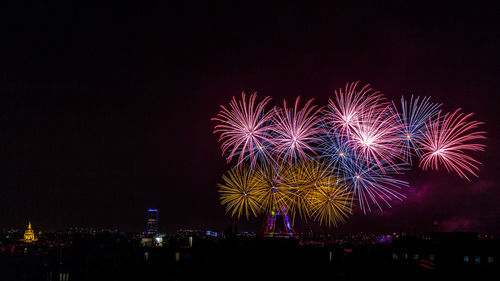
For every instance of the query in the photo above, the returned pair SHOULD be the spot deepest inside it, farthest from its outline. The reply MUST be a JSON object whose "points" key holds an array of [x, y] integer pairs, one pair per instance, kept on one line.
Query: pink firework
{"points": [[245, 129], [445, 141], [375, 136], [296, 130], [349, 105]]}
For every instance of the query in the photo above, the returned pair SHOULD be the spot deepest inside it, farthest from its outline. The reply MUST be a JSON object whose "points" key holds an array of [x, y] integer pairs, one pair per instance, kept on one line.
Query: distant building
{"points": [[29, 234], [147, 242], [152, 228]]}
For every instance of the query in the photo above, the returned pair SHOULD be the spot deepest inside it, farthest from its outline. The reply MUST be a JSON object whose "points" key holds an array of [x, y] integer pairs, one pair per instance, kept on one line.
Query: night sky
{"points": [[105, 109]]}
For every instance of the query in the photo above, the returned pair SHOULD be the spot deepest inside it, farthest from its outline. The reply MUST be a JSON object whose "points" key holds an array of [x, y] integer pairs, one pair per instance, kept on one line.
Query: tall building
{"points": [[29, 234], [152, 222]]}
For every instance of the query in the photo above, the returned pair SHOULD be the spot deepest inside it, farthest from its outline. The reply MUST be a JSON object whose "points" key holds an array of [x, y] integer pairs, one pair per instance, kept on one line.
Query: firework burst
{"points": [[334, 150], [349, 105], [372, 184], [445, 141], [240, 192], [302, 179], [296, 130], [414, 113], [272, 191], [375, 137], [245, 129], [330, 204]]}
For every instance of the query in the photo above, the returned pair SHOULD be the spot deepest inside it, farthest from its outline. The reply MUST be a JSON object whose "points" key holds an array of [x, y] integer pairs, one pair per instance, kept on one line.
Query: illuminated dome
{"points": [[29, 234]]}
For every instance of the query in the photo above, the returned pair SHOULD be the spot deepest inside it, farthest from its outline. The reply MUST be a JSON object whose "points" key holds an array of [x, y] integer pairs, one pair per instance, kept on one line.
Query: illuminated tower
{"points": [[152, 222], [278, 224], [29, 234]]}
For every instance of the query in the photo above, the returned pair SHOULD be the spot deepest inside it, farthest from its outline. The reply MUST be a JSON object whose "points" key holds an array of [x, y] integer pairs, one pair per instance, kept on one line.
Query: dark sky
{"points": [[105, 109]]}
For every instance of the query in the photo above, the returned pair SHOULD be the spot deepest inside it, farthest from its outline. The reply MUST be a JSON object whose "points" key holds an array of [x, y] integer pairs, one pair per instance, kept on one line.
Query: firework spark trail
{"points": [[334, 150], [414, 113], [445, 141], [271, 190], [245, 129], [349, 105], [375, 137], [296, 130], [302, 179], [330, 205], [240, 192], [371, 183]]}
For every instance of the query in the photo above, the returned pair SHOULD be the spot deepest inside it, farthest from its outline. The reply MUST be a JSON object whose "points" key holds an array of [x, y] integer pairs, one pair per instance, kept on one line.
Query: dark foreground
{"points": [[239, 258]]}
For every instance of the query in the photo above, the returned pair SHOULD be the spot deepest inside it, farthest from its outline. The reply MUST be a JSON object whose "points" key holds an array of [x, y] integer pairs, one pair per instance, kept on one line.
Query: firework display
{"points": [[322, 164]]}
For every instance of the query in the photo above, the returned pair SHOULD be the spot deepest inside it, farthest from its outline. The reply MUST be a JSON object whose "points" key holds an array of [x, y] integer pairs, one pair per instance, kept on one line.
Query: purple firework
{"points": [[245, 129], [296, 130]]}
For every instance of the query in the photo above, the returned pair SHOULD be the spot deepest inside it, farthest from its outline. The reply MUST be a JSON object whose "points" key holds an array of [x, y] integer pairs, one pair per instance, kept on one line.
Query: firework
{"points": [[331, 204], [296, 130], [317, 164], [445, 141], [240, 192], [317, 193], [375, 137], [349, 105], [245, 129], [334, 150], [373, 184], [272, 191], [302, 179], [414, 114]]}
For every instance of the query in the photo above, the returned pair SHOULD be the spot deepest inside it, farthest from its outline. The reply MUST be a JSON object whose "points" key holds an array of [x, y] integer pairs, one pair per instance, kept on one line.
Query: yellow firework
{"points": [[302, 179], [271, 190], [306, 189], [330, 204], [240, 192]]}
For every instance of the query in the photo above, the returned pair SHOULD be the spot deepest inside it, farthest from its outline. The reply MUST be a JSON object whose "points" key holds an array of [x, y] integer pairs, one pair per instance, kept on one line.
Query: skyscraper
{"points": [[152, 228]]}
